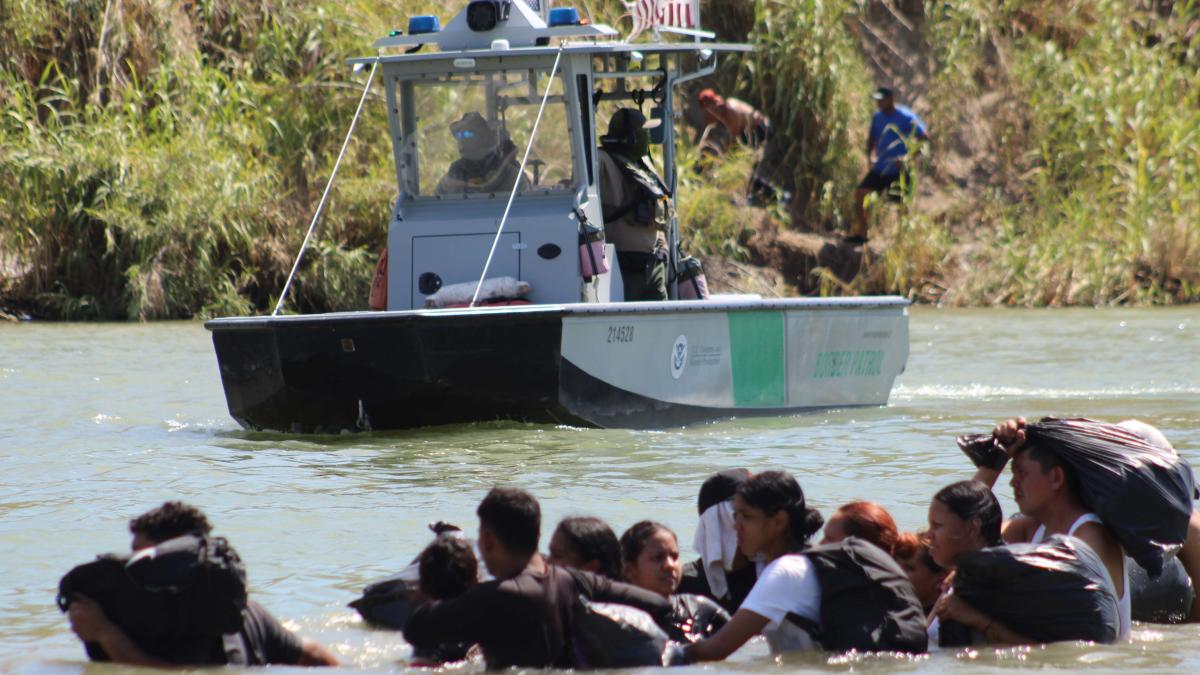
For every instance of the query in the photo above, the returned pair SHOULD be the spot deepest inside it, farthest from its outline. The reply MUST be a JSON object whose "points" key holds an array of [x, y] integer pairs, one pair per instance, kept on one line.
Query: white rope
{"points": [[520, 173], [321, 205]]}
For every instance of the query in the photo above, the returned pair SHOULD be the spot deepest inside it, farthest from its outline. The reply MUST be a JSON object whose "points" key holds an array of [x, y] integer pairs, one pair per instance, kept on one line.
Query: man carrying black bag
{"points": [[1103, 483], [188, 588]]}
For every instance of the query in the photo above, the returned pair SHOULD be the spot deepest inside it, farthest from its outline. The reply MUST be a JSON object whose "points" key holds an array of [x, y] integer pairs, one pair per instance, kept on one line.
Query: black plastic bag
{"points": [[695, 617], [1142, 491], [389, 602], [1053, 591], [867, 601], [609, 635], [173, 600], [1167, 599]]}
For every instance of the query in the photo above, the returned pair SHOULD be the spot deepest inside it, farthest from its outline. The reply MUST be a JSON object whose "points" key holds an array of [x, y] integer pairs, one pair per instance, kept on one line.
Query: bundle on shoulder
{"points": [[171, 599], [1142, 490]]}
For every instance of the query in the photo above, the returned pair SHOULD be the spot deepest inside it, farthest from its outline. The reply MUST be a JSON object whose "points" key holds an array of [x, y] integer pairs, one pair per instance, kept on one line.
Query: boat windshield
{"points": [[471, 131]]}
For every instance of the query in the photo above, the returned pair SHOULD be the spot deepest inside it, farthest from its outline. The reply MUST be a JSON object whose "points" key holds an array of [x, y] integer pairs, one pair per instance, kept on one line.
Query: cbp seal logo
{"points": [[678, 357]]}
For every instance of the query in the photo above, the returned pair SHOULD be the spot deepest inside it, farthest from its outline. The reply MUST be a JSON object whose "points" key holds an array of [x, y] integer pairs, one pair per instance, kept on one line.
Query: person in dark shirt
{"points": [[523, 617], [722, 572], [588, 544], [261, 641], [447, 568]]}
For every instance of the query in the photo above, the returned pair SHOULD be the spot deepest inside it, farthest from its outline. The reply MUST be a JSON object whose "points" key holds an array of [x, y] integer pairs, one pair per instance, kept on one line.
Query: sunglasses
{"points": [[464, 133]]}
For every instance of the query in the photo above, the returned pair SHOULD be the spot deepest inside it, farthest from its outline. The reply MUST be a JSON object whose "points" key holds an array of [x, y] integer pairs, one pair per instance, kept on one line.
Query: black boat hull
{"points": [[397, 370]]}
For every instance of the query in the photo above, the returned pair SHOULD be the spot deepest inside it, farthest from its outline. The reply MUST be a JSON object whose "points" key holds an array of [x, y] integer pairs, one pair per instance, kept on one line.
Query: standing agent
{"points": [[893, 128], [772, 520], [637, 205]]}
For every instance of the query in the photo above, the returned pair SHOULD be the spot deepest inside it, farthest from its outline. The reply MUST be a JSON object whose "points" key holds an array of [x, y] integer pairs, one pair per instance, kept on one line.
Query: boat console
{"points": [[497, 72]]}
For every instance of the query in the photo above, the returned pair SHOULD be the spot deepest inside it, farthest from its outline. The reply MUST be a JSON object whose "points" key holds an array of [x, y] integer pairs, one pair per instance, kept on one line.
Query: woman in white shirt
{"points": [[772, 521]]}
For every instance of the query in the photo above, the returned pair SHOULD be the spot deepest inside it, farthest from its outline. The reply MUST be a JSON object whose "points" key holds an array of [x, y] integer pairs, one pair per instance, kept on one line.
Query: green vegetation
{"points": [[163, 159], [1084, 126]]}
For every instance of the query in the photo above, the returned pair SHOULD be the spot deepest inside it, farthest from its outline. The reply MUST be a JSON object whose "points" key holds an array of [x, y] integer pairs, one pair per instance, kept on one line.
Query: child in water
{"points": [[927, 577], [448, 568]]}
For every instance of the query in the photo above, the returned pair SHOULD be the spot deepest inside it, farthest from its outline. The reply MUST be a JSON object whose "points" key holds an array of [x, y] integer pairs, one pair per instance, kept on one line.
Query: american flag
{"points": [[649, 14]]}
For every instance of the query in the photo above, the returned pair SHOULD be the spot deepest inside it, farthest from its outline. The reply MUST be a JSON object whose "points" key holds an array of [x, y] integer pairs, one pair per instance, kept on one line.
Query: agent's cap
{"points": [[882, 93], [627, 120], [708, 96], [475, 137], [720, 487]]}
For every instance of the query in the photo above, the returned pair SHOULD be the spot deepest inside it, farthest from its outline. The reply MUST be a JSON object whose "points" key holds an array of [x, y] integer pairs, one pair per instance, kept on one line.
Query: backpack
{"points": [[172, 599], [867, 602]]}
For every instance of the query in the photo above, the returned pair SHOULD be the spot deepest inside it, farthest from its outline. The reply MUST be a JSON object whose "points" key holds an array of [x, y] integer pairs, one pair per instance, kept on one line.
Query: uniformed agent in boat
{"points": [[487, 162], [637, 205]]}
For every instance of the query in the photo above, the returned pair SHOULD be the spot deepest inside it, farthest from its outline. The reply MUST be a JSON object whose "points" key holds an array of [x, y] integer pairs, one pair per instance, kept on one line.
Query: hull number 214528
{"points": [[620, 334]]}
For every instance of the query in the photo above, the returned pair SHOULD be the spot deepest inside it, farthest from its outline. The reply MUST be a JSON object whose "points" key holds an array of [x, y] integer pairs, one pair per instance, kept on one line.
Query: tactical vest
{"points": [[650, 203]]}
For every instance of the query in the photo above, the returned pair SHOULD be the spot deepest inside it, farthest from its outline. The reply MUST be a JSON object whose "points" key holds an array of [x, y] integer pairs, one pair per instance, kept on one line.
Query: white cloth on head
{"points": [[716, 542]]}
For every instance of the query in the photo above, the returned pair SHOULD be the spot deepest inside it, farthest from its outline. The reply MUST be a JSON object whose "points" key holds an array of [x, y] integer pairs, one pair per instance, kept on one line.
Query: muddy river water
{"points": [[99, 422]]}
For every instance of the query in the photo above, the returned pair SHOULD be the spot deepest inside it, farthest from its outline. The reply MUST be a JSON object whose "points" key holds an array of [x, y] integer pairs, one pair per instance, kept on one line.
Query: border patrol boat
{"points": [[541, 334]]}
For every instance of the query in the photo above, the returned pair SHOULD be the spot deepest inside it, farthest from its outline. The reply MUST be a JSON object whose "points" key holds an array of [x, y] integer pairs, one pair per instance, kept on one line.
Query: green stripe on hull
{"points": [[758, 344]]}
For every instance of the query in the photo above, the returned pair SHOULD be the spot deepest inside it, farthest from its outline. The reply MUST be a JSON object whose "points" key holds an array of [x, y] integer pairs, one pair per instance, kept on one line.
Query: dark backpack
{"points": [[173, 600], [867, 602]]}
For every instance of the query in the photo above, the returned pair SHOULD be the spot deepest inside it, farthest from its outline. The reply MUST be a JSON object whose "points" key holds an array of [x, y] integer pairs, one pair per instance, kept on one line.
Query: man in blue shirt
{"points": [[893, 130]]}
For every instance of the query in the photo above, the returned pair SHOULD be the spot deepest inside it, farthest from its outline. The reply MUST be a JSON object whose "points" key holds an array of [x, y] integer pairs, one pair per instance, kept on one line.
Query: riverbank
{"points": [[162, 160]]}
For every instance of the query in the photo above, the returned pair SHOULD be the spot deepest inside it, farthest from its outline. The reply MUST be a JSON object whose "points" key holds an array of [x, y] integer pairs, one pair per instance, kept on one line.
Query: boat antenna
{"points": [[521, 172], [329, 185]]}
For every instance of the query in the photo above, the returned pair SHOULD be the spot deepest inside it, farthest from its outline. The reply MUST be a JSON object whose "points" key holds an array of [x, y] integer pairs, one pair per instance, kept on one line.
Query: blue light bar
{"points": [[564, 16], [425, 23]]}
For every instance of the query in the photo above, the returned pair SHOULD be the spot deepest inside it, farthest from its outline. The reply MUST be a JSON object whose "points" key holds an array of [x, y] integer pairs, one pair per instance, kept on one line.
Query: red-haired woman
{"points": [[867, 521]]}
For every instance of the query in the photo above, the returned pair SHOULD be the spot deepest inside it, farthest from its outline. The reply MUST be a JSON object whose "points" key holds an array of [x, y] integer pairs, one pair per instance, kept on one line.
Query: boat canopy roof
{"points": [[526, 29], [702, 49]]}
